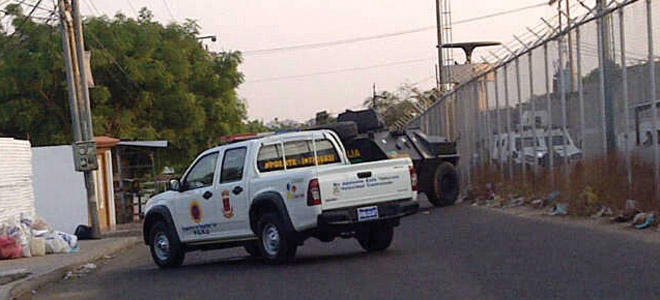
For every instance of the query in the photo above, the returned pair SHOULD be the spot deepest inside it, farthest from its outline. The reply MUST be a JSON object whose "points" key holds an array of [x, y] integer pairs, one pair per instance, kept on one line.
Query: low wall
{"points": [[16, 193], [59, 191]]}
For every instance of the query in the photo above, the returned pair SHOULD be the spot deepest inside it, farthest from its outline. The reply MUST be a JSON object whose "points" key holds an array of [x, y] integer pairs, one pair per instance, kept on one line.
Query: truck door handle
{"points": [[207, 195], [364, 174], [237, 190]]}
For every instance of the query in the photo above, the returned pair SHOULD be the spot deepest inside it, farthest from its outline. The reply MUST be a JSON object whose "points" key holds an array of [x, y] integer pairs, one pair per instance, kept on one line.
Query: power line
{"points": [[169, 11], [130, 4], [383, 35], [36, 6], [33, 17], [114, 60], [20, 26], [423, 80], [403, 62], [92, 6]]}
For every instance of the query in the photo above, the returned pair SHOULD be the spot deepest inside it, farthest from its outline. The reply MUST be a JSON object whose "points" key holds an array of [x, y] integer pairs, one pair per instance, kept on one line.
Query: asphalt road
{"points": [[458, 252]]}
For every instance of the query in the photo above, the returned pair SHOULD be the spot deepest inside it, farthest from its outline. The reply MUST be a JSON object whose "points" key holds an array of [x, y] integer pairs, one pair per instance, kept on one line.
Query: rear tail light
{"points": [[313, 193], [413, 178]]}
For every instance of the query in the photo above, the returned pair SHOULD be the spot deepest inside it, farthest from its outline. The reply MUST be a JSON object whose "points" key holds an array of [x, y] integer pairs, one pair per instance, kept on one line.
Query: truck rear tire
{"points": [[166, 250], [375, 238], [445, 185], [276, 246]]}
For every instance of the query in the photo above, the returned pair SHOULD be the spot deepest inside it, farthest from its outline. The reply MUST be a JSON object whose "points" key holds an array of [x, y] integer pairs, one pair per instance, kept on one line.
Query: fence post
{"points": [[499, 124], [508, 121], [601, 79], [562, 96], [624, 92], [489, 131], [464, 136], [654, 107], [578, 54], [520, 129], [533, 110], [549, 107]]}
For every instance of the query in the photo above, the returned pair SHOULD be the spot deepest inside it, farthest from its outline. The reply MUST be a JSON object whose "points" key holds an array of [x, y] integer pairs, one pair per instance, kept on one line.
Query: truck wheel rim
{"points": [[162, 246], [271, 239]]}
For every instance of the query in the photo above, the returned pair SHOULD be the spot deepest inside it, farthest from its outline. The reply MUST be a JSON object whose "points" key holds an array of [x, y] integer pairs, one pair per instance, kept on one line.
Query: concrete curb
{"points": [[33, 282]]}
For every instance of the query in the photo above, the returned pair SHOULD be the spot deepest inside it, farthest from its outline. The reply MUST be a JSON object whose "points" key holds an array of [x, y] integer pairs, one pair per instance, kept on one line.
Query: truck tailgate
{"points": [[365, 183]]}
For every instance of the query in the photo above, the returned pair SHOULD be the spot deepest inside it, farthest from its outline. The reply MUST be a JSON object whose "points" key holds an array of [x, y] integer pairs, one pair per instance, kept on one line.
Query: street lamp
{"points": [[213, 39]]}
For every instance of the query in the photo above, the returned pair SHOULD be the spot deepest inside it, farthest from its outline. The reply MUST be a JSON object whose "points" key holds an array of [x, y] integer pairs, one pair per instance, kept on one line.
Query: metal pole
{"points": [[438, 21], [68, 64], [499, 126], [601, 85], [520, 113], [508, 120], [570, 46], [549, 107], [562, 97], [533, 110], [489, 132], [465, 137], [624, 91], [437, 81], [654, 107], [85, 118], [578, 54]]}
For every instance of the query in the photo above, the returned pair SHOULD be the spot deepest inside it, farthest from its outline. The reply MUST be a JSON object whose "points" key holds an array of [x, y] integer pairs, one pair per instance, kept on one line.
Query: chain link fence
{"points": [[574, 109]]}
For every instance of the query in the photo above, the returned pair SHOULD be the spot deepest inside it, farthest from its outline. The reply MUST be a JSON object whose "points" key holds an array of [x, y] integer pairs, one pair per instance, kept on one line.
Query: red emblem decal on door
{"points": [[227, 210], [196, 212]]}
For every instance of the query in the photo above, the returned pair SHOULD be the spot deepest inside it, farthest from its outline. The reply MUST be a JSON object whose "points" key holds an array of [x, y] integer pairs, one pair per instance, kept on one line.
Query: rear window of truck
{"points": [[299, 154], [326, 152], [270, 158]]}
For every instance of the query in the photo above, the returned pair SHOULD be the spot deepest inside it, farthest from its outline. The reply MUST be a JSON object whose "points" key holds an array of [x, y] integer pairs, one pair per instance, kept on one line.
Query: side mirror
{"points": [[174, 185]]}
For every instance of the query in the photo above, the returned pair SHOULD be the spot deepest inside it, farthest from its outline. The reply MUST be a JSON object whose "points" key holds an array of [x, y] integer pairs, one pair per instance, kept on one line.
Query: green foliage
{"points": [[392, 106], [152, 82], [255, 126]]}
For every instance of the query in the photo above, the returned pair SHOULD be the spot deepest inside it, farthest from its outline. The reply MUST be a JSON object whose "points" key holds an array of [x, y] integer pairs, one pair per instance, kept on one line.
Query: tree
{"points": [[393, 106], [152, 82]]}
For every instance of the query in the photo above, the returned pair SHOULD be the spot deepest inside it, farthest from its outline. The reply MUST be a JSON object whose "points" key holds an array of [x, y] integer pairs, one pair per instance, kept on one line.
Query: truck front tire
{"points": [[444, 184], [375, 238], [166, 249], [276, 246]]}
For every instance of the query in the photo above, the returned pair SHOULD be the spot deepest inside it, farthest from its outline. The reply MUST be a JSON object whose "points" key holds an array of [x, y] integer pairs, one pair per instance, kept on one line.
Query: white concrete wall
{"points": [[59, 191], [16, 194]]}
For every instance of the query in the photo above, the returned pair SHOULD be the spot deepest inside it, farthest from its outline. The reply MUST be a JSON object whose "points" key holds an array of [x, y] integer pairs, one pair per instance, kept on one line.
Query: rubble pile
{"points": [[26, 237]]}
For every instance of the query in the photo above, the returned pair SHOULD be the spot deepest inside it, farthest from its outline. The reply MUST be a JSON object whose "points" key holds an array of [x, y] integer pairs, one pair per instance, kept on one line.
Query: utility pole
{"points": [[439, 46], [84, 148]]}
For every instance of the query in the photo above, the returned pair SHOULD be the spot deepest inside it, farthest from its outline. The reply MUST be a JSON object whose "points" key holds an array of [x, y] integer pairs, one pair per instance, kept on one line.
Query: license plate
{"points": [[367, 213]]}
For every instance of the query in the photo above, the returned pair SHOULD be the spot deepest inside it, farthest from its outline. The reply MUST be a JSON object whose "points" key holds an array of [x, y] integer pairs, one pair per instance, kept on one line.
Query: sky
{"points": [[250, 25]]}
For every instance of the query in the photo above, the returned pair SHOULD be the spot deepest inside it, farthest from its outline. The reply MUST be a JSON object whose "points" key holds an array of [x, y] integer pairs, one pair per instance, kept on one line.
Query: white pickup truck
{"points": [[270, 194]]}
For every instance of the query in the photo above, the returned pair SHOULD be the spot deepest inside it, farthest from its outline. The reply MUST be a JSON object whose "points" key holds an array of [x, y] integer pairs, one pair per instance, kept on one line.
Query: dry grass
{"points": [[586, 186]]}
